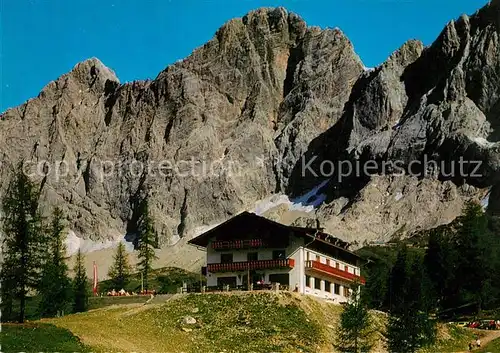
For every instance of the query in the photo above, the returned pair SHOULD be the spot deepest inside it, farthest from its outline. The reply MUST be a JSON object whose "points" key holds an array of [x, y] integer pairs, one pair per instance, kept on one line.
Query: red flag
{"points": [[94, 287]]}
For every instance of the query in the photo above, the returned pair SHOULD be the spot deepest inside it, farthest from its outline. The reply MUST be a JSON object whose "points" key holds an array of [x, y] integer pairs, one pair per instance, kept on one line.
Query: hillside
{"points": [[259, 323], [39, 338], [230, 128], [231, 322]]}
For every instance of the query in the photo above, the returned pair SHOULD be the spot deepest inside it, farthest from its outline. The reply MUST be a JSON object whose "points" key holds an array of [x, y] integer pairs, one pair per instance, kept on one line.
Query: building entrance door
{"points": [[255, 278]]}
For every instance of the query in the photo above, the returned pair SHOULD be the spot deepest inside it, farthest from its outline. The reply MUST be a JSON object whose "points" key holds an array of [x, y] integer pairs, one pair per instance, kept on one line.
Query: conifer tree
{"points": [[80, 285], [23, 244], [55, 288], [463, 261], [440, 258], [375, 292], [355, 331], [120, 270], [474, 264], [146, 247], [410, 327]]}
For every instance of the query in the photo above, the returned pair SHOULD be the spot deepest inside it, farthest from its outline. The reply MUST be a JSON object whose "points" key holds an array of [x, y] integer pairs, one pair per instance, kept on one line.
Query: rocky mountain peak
{"points": [[232, 125], [90, 74], [96, 69], [494, 9]]}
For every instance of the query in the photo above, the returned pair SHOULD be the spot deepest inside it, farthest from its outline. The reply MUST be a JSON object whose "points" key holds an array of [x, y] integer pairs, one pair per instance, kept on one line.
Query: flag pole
{"points": [[94, 287]]}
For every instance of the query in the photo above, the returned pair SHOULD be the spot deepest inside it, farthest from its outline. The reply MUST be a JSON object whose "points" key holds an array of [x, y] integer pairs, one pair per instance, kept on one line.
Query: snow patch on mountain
{"points": [[307, 202], [485, 202], [73, 243]]}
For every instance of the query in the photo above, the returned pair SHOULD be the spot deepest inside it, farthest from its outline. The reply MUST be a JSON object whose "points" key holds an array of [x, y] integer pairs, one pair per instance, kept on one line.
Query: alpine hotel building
{"points": [[252, 249]]}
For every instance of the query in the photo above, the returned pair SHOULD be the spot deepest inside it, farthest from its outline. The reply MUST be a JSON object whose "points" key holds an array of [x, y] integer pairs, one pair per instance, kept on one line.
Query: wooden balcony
{"points": [[251, 265], [238, 244], [333, 272]]}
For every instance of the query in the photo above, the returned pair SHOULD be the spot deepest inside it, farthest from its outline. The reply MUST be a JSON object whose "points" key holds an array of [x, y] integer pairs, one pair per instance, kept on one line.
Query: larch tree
{"points": [[55, 287], [119, 272], [23, 245], [80, 285], [146, 246], [355, 328], [410, 327], [472, 236]]}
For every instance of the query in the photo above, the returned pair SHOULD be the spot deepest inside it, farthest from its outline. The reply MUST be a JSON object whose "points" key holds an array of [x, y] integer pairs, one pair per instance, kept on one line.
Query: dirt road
{"points": [[487, 338]]}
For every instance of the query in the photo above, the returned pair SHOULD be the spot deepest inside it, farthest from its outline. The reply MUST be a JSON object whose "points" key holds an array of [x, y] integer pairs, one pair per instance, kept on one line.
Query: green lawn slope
{"points": [[38, 338], [225, 322]]}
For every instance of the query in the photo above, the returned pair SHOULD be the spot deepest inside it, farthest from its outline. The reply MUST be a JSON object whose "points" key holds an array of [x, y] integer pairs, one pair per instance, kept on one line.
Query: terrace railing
{"points": [[333, 271], [250, 265], [238, 244]]}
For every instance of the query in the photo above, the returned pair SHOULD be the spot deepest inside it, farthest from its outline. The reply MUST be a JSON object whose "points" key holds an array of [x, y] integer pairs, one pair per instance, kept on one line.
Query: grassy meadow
{"points": [[223, 322], [38, 337]]}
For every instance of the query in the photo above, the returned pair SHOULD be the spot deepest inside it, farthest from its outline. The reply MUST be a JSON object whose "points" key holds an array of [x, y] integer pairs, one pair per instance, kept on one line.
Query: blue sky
{"points": [[42, 39]]}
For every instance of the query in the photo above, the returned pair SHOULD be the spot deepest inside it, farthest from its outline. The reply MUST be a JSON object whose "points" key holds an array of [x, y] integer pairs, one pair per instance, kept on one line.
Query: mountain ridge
{"points": [[263, 93]]}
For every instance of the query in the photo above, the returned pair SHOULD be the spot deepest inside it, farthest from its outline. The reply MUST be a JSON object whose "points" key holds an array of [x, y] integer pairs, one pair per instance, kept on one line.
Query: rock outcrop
{"points": [[232, 124], [424, 111]]}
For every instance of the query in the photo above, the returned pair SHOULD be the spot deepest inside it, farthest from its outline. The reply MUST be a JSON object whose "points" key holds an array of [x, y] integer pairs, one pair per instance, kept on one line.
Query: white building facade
{"points": [[249, 251]]}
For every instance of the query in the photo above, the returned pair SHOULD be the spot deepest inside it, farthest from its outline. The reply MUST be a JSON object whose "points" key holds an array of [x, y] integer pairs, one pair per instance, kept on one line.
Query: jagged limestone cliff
{"points": [[232, 123]]}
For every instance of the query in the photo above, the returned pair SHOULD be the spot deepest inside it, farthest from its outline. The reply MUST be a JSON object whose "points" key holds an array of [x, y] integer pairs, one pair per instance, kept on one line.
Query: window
{"points": [[347, 293], [336, 288], [308, 281], [226, 258], [317, 283], [328, 286], [281, 278], [252, 256], [279, 254]]}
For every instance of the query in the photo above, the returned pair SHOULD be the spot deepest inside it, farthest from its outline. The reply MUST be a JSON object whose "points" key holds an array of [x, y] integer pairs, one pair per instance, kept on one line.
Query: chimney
{"points": [[318, 226]]}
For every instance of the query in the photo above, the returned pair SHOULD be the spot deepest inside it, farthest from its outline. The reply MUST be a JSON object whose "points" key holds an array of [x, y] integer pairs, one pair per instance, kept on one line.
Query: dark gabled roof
{"points": [[245, 219], [240, 220]]}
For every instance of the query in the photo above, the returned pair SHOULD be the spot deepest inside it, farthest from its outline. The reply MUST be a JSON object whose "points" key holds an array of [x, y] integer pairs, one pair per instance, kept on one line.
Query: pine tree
{"points": [[120, 270], [23, 244], [463, 261], [473, 223], [355, 331], [473, 267], [146, 247], [440, 259], [375, 292], [80, 285], [397, 281], [55, 288], [410, 327], [490, 249]]}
